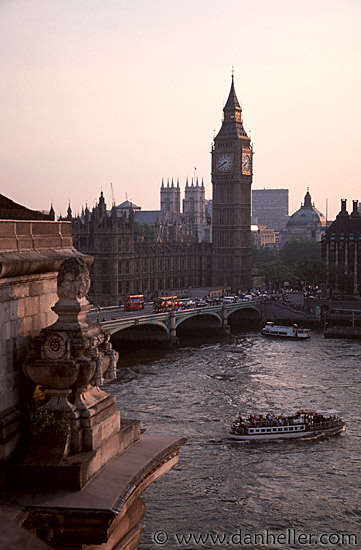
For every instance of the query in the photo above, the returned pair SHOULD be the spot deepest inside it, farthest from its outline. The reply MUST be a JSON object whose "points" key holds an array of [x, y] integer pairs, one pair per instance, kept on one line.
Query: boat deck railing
{"points": [[325, 425], [306, 426]]}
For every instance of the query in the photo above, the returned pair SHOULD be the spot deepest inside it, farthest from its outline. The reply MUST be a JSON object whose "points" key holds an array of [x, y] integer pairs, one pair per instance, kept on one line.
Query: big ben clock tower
{"points": [[231, 217]]}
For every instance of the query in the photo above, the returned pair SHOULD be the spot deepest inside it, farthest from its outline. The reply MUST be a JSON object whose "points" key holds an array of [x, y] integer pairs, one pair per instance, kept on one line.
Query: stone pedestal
{"points": [[70, 360], [41, 471], [81, 480]]}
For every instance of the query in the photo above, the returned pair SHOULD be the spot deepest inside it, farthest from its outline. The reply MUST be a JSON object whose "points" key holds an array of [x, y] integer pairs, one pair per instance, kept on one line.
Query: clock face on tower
{"points": [[224, 163], [246, 163]]}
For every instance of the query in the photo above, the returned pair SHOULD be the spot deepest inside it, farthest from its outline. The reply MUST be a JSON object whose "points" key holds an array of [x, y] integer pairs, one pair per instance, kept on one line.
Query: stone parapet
{"points": [[28, 247], [36, 235], [27, 262]]}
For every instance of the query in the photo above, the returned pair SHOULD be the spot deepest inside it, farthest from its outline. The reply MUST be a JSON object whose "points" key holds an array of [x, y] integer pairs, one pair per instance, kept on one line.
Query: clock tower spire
{"points": [[231, 182]]}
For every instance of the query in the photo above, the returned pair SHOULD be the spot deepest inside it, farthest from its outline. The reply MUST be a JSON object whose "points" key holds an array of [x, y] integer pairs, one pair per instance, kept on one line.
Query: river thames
{"points": [[280, 488]]}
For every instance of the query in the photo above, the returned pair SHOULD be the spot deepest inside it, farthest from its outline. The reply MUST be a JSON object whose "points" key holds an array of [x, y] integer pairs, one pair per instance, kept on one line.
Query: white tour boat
{"points": [[277, 331], [304, 423]]}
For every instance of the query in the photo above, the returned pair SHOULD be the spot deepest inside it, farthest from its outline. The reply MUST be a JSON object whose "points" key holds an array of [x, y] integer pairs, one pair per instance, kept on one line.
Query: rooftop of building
{"points": [[10, 210], [307, 214]]}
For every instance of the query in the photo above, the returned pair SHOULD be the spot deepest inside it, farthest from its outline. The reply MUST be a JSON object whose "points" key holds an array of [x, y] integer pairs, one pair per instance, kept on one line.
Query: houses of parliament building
{"points": [[204, 244]]}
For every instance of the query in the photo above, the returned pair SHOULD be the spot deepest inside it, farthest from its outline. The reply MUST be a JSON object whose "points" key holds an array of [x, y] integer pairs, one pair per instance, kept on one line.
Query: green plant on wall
{"points": [[43, 421]]}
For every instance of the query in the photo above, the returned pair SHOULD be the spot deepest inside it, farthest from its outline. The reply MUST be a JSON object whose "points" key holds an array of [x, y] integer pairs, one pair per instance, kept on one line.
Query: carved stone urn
{"points": [[70, 360]]}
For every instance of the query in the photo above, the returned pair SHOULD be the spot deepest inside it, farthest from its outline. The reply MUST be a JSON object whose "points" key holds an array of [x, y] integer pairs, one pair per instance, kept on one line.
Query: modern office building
{"points": [[270, 208]]}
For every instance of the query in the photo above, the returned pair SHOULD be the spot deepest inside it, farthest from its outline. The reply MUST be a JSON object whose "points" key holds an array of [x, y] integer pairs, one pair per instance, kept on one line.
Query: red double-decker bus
{"points": [[131, 303], [163, 304]]}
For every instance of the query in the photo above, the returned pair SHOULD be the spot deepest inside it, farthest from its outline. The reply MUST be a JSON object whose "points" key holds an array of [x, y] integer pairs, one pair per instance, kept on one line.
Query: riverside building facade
{"points": [[140, 257], [341, 249]]}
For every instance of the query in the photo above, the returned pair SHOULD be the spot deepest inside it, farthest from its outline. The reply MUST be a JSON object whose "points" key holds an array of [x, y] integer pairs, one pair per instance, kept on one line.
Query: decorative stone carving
{"points": [[70, 360], [73, 279]]}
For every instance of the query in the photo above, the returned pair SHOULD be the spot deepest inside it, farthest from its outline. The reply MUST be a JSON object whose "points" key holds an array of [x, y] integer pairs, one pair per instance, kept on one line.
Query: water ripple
{"points": [[220, 485]]}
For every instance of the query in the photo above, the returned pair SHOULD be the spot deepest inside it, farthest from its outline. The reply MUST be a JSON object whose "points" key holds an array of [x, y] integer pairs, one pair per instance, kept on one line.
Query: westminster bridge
{"points": [[216, 320]]}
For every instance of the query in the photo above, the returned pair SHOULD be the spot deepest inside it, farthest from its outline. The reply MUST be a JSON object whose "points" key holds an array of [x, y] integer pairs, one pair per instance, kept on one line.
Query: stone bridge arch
{"points": [[170, 326], [145, 333], [244, 314], [201, 317]]}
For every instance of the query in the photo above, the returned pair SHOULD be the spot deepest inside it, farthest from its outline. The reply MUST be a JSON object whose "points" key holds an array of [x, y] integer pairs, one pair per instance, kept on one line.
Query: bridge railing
{"points": [[164, 317]]}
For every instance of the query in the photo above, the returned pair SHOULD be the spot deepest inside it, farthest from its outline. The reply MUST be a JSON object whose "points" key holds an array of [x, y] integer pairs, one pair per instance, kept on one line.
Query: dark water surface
{"points": [[220, 486]]}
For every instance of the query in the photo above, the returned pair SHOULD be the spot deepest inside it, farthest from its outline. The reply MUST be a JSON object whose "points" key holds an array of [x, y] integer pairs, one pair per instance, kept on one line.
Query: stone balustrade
{"points": [[35, 235]]}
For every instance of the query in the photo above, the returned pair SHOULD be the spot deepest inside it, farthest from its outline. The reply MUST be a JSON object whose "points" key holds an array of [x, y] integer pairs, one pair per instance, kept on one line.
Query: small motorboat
{"points": [[303, 423], [277, 331]]}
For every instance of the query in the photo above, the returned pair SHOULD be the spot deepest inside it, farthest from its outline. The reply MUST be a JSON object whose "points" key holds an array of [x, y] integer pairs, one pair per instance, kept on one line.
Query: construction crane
{"points": [[113, 196]]}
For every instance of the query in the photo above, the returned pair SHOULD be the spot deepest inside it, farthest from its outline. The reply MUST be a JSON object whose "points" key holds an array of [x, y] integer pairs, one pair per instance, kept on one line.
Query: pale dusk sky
{"points": [[132, 91]]}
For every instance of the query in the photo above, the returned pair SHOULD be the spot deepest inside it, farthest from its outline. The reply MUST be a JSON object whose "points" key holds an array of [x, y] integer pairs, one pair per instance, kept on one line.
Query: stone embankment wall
{"points": [[273, 310], [30, 255]]}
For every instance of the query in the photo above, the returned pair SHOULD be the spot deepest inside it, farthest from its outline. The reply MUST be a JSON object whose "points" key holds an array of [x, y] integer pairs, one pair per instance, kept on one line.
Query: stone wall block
{"points": [[66, 229], [50, 318], [25, 328], [8, 243], [14, 330], [7, 331], [20, 290], [36, 288], [20, 303], [23, 228], [10, 350], [46, 242], [46, 228], [31, 305], [5, 312], [7, 227], [67, 242], [24, 242], [4, 294], [93, 438], [2, 375], [46, 301], [37, 323], [13, 310]]}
